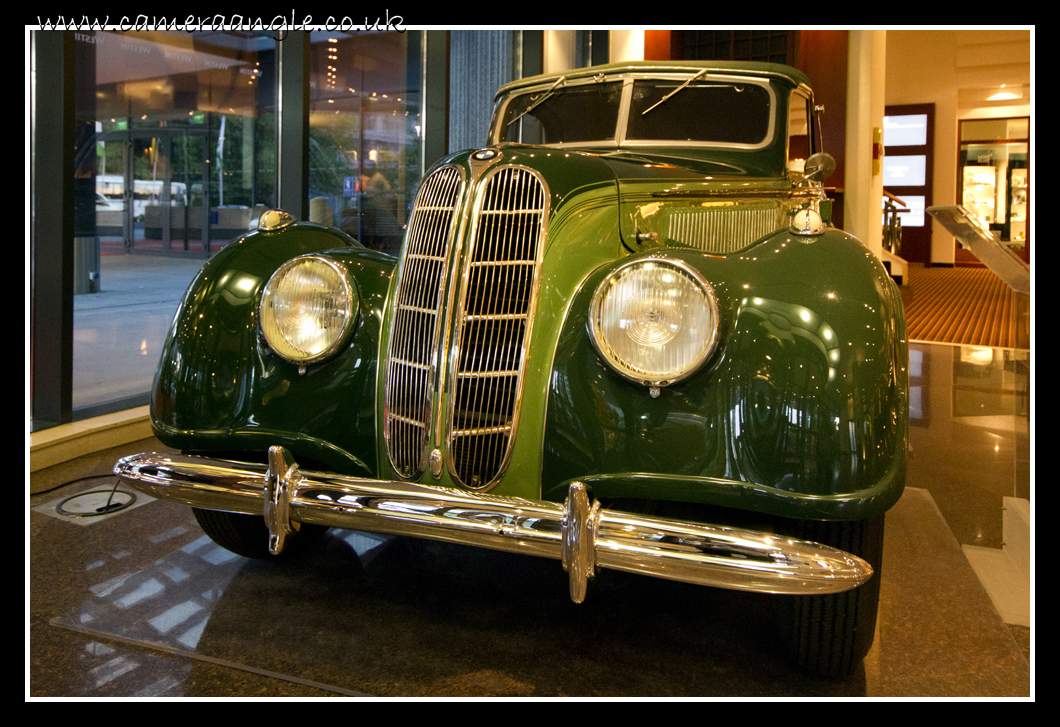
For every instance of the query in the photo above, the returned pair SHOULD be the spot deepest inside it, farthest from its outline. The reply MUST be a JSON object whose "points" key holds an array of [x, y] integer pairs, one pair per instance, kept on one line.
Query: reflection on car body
{"points": [[622, 334]]}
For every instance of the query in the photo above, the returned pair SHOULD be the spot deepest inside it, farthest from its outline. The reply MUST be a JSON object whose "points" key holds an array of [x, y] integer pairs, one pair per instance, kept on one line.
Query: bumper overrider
{"points": [[579, 533]]}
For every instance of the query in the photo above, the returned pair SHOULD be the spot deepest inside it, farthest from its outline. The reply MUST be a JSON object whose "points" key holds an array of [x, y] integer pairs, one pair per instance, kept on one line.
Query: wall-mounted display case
{"points": [[994, 164], [1018, 205], [980, 191]]}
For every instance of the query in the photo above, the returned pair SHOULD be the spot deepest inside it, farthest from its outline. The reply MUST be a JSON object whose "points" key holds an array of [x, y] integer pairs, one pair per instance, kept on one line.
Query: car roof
{"points": [[777, 70]]}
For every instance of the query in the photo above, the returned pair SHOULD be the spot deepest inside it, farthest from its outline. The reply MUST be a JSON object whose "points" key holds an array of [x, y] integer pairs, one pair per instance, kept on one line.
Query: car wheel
{"points": [[831, 633], [247, 535]]}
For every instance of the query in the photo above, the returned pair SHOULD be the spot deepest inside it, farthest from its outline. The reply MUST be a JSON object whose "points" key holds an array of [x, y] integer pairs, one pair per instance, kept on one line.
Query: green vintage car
{"points": [[622, 334]]}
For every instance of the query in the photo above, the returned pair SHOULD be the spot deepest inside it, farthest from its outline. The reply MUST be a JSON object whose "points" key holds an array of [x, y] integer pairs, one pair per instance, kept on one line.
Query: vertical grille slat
{"points": [[415, 333], [495, 319]]}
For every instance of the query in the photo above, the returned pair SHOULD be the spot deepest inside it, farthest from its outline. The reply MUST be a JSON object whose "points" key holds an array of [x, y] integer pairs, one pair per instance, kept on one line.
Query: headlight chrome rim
{"points": [[272, 293], [654, 379]]}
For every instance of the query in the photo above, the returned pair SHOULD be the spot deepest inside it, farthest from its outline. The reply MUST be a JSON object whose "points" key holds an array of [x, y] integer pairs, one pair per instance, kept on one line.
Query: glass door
{"points": [[908, 137]]}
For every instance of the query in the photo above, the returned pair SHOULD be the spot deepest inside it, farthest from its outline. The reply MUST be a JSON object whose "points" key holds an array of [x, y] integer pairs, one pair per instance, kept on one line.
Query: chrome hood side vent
{"points": [[725, 229]]}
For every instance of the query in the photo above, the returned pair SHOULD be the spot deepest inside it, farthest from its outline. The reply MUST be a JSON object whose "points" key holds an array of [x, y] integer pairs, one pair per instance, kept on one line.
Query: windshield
{"points": [[661, 111], [579, 113], [727, 113]]}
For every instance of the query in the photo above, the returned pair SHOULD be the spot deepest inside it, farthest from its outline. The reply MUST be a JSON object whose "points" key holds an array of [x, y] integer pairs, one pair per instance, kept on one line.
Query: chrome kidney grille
{"points": [[500, 285], [491, 323], [416, 330]]}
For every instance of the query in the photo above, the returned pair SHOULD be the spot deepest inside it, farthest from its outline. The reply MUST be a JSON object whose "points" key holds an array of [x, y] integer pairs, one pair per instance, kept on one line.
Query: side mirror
{"points": [[819, 167]]}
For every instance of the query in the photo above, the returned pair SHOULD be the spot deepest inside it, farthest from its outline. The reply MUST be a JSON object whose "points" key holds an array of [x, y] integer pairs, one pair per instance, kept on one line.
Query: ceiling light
{"points": [[1006, 95]]}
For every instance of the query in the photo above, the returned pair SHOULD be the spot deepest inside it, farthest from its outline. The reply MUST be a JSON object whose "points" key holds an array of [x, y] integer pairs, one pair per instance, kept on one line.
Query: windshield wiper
{"points": [[540, 100], [665, 98]]}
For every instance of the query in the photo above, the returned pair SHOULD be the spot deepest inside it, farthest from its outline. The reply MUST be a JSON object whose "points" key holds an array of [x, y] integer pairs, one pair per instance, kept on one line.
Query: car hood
{"points": [[656, 164], [570, 169]]}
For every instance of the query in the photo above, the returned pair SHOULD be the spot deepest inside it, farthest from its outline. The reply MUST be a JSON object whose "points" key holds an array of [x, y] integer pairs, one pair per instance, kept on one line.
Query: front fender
{"points": [[219, 388], [801, 412]]}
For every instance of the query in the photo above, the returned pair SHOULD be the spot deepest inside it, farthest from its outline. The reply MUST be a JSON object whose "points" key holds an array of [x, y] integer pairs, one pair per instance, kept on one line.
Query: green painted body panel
{"points": [[582, 235], [800, 412], [220, 389], [803, 402]]}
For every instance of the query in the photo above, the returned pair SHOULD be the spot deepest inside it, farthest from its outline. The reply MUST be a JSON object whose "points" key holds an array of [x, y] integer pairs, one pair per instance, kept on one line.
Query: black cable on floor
{"points": [[75, 481]]}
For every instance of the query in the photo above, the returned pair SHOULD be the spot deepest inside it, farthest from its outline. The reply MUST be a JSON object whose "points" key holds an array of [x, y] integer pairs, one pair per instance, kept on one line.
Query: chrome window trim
{"points": [[619, 140], [498, 132], [481, 186], [753, 80]]}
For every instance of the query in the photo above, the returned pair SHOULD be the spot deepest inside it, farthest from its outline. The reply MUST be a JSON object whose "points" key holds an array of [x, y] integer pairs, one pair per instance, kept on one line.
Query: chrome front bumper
{"points": [[579, 533]]}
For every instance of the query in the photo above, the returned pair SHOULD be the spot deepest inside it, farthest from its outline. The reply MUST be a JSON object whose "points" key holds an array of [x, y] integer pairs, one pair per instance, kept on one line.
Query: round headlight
{"points": [[307, 308], [654, 320]]}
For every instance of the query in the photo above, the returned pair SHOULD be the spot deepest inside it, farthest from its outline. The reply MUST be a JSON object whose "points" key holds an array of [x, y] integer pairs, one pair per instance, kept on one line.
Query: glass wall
{"points": [[177, 155], [178, 159], [178, 138], [365, 129], [184, 136]]}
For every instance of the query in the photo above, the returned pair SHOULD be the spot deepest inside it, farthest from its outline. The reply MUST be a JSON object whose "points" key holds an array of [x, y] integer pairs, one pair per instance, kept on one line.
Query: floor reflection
{"points": [[151, 607], [970, 434], [362, 614], [167, 603], [110, 670], [397, 617]]}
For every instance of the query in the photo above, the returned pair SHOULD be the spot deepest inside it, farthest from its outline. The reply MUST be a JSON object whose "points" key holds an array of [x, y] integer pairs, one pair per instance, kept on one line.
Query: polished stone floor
{"points": [[140, 603]]}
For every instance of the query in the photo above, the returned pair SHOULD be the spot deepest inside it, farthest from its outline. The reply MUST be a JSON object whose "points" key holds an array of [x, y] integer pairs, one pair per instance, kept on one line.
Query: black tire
{"points": [[830, 634], [247, 535]]}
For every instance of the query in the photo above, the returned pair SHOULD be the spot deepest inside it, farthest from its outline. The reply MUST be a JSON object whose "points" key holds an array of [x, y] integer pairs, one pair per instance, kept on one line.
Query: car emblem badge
{"points": [[436, 462], [484, 154]]}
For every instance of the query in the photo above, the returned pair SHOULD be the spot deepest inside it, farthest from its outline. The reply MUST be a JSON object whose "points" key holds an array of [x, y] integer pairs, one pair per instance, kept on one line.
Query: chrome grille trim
{"points": [[500, 284], [417, 322], [725, 229]]}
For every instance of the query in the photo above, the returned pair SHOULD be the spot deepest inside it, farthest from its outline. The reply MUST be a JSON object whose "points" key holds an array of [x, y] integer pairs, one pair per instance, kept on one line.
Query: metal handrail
{"points": [[892, 223]]}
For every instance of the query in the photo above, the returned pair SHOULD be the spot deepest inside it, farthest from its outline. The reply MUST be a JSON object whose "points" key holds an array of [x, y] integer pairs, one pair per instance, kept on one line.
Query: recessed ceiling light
{"points": [[1006, 95]]}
